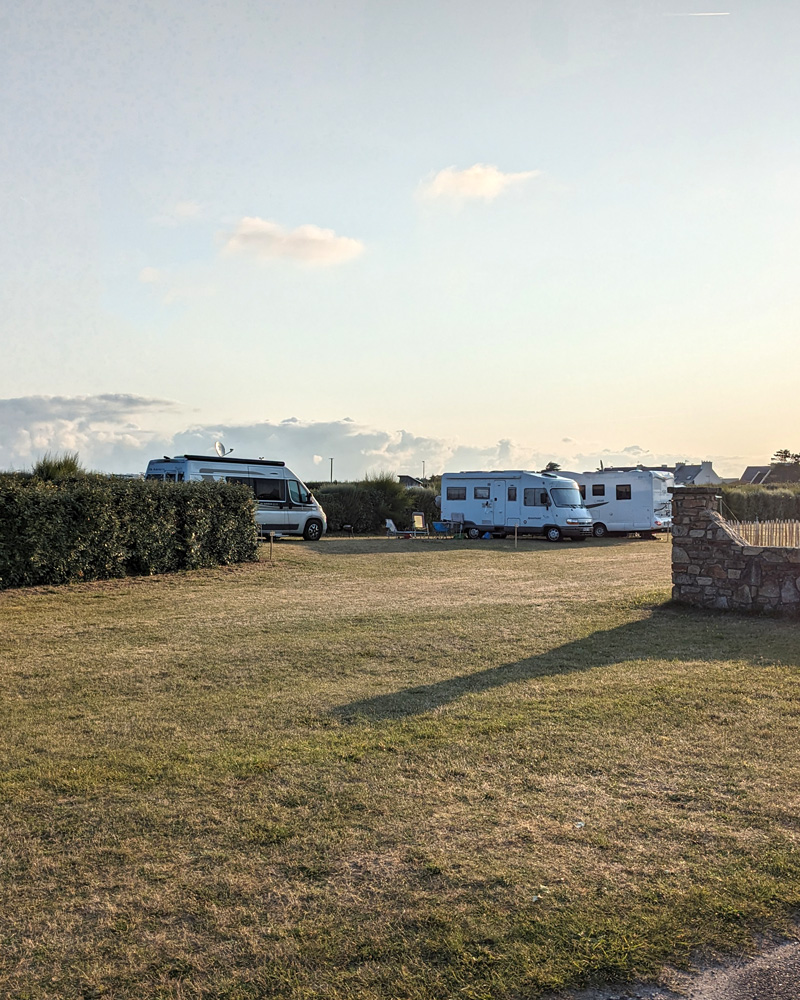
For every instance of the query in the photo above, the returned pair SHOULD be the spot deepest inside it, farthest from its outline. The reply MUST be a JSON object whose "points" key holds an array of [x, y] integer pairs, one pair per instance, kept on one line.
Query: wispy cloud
{"points": [[309, 244], [700, 13], [178, 214], [482, 180], [150, 276]]}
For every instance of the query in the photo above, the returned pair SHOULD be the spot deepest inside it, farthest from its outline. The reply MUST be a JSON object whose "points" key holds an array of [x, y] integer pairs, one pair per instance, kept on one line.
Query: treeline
{"points": [[91, 527], [366, 505], [763, 503]]}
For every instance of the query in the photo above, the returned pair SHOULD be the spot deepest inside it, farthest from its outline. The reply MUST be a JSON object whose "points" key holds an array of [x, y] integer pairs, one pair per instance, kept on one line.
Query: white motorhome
{"points": [[284, 504], [500, 502], [625, 500]]}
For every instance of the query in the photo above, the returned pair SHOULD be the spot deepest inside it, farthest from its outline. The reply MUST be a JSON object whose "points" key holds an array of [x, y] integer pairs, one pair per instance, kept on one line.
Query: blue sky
{"points": [[567, 226]]}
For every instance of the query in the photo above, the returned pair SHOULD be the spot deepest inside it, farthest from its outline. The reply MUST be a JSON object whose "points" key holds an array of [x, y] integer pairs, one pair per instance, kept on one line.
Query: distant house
{"points": [[410, 482], [696, 475], [685, 475], [755, 474]]}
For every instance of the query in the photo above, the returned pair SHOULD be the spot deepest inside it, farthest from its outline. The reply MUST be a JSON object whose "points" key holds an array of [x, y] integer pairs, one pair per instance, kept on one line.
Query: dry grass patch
{"points": [[389, 769]]}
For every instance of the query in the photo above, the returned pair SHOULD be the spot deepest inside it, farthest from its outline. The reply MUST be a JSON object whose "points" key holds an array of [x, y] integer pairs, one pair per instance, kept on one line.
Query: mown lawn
{"points": [[390, 769]]}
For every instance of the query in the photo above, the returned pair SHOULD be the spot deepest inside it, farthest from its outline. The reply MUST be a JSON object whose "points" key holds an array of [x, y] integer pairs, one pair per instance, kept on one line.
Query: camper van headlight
{"points": [[577, 520]]}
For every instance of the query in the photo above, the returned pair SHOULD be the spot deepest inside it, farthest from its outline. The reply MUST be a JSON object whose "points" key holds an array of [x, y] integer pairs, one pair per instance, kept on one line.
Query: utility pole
{"points": [[331, 470], [423, 470]]}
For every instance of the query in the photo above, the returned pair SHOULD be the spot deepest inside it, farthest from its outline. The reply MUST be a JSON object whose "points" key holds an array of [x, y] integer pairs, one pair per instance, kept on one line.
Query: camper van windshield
{"points": [[566, 497]]}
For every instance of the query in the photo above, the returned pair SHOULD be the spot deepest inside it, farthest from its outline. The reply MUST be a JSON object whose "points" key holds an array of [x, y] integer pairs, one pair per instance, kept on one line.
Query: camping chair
{"points": [[391, 530]]}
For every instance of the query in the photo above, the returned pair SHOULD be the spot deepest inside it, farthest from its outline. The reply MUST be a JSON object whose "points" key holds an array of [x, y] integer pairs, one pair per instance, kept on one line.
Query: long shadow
{"points": [[670, 633]]}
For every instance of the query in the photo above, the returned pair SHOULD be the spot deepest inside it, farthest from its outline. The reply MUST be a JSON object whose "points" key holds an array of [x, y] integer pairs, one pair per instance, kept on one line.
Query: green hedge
{"points": [[366, 505], [94, 528], [748, 503]]}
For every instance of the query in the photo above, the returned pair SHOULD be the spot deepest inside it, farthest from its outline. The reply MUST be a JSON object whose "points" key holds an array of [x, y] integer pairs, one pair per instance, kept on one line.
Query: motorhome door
{"points": [[499, 500]]}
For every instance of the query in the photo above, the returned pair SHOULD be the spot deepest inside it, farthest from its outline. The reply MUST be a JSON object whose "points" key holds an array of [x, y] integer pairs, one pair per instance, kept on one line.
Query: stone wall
{"points": [[713, 567]]}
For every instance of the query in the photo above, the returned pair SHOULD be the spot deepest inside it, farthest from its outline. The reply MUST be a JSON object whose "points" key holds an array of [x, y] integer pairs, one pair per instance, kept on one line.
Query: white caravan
{"points": [[623, 500], [498, 502], [284, 504]]}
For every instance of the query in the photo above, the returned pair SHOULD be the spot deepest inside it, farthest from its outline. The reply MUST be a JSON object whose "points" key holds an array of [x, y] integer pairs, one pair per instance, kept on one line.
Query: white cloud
{"points": [[482, 180], [120, 433], [150, 275], [310, 244]]}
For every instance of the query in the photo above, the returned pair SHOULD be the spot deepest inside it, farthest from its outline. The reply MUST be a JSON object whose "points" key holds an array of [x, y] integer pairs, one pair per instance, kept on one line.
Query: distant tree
{"points": [[552, 467], [59, 466], [781, 456], [796, 458]]}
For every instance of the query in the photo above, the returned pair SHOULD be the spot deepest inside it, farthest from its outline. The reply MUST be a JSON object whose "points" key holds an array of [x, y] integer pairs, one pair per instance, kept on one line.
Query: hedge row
{"points": [[366, 506], [748, 503], [93, 528]]}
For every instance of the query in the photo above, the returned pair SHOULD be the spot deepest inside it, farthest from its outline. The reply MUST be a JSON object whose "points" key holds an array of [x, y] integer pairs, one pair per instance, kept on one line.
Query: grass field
{"points": [[389, 769]]}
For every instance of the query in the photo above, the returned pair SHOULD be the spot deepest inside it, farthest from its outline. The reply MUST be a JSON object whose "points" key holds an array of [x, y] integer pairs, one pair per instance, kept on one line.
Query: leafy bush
{"points": [[93, 528], [366, 505], [748, 503]]}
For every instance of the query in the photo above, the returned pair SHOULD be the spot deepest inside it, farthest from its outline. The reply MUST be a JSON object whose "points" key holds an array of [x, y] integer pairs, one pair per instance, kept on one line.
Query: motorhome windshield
{"points": [[566, 497]]}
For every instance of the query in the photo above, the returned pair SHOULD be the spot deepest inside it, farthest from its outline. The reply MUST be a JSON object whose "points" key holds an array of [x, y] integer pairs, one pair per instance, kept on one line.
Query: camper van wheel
{"points": [[473, 533], [553, 534], [312, 531], [599, 530]]}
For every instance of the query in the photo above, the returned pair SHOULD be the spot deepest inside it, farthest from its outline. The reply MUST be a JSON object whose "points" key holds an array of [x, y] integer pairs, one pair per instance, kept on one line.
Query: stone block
{"points": [[752, 550], [697, 533], [743, 595], [789, 594], [721, 603], [769, 590], [679, 555], [734, 574], [693, 568], [703, 581], [679, 530]]}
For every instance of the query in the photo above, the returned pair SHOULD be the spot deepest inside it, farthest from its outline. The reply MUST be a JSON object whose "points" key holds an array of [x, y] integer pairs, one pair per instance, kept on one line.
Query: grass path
{"points": [[389, 769]]}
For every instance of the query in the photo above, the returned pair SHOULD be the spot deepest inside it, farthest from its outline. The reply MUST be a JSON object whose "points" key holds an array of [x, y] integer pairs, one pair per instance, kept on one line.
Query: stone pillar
{"points": [[694, 531], [713, 567]]}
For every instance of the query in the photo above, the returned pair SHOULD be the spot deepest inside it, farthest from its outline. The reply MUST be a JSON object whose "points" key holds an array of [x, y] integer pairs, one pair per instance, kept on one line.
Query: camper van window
{"points": [[480, 492], [456, 492], [169, 477], [624, 491], [598, 489], [532, 497], [154, 476], [296, 492], [566, 497], [512, 494], [269, 489], [582, 488]]}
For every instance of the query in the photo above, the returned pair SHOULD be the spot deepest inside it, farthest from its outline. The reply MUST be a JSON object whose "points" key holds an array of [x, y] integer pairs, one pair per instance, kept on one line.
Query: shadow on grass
{"points": [[669, 633]]}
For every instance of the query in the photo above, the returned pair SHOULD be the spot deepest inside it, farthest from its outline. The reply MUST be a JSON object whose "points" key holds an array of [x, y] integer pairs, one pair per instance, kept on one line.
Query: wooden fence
{"points": [[778, 534]]}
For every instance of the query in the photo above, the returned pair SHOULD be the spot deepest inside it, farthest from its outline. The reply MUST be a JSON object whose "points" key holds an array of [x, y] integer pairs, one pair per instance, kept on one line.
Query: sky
{"points": [[388, 233]]}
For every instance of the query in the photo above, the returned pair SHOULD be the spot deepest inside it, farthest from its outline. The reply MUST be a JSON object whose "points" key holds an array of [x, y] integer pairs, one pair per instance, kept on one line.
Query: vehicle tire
{"points": [[473, 532], [312, 531], [599, 530], [553, 534]]}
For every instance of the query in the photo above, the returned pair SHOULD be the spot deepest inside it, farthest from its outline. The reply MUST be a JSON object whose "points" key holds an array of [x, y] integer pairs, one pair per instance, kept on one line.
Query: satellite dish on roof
{"points": [[219, 448]]}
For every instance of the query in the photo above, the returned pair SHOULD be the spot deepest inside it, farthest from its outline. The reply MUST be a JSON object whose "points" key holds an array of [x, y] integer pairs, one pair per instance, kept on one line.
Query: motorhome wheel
{"points": [[599, 530], [473, 533], [553, 534], [312, 531]]}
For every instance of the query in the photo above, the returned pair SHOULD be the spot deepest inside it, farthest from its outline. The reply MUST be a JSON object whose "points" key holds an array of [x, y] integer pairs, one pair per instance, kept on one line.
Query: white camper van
{"points": [[624, 500], [498, 502], [284, 504]]}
